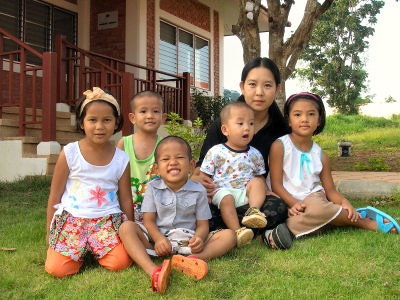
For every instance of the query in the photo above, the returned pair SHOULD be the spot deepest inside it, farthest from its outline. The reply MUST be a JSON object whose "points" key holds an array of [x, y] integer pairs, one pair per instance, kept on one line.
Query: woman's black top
{"points": [[262, 140]]}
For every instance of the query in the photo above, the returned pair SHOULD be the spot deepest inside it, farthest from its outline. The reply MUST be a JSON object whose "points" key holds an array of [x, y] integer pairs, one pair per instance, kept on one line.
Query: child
{"points": [[175, 206], [237, 169], [84, 211], [300, 174], [147, 116]]}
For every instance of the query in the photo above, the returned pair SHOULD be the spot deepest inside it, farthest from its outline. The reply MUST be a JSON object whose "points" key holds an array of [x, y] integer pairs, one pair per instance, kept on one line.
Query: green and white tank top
{"points": [[142, 171]]}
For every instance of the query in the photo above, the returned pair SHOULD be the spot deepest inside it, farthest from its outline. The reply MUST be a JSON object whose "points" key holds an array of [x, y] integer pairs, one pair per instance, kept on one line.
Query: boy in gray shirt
{"points": [[175, 207]]}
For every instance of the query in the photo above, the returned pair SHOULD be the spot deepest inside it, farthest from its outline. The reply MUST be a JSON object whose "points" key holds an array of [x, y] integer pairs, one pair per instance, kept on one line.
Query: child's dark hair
{"points": [[309, 96], [80, 116], [145, 94], [173, 138], [226, 110]]}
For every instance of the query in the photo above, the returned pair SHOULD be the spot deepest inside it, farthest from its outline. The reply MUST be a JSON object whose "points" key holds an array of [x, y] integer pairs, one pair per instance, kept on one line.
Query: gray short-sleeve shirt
{"points": [[176, 210]]}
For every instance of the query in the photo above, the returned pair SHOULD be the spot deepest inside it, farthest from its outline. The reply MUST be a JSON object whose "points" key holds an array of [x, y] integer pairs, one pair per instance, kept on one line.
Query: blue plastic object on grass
{"points": [[375, 214]]}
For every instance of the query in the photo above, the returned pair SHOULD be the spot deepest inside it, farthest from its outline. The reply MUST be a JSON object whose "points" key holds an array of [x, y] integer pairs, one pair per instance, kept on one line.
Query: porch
{"points": [[37, 101]]}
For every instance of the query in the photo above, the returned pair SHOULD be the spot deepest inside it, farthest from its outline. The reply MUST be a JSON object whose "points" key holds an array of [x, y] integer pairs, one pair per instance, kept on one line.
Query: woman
{"points": [[260, 83]]}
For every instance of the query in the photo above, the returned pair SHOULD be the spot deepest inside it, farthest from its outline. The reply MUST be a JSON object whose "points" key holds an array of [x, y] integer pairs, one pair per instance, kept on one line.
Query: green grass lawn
{"points": [[339, 264], [365, 132]]}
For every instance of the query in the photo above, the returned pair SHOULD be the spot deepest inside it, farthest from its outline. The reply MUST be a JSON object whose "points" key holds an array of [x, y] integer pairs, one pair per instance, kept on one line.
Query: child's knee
{"points": [[257, 183], [227, 235], [59, 265], [227, 200], [127, 228], [116, 260]]}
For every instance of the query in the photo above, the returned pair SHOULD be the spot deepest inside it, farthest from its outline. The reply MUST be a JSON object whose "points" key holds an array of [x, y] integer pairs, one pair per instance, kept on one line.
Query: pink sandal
{"points": [[191, 265], [160, 277]]}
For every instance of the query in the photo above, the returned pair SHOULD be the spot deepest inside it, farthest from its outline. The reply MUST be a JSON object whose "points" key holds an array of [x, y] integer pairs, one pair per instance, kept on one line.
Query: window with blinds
{"points": [[182, 51], [36, 23]]}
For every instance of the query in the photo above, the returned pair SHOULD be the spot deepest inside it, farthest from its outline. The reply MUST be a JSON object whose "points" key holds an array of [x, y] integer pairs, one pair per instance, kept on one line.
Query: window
{"points": [[182, 51], [36, 23]]}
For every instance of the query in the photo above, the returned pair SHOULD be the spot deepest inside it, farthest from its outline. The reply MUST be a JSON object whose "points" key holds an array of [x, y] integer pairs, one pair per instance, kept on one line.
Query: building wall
{"points": [[150, 34], [139, 21], [185, 11], [136, 39], [110, 42], [216, 53]]}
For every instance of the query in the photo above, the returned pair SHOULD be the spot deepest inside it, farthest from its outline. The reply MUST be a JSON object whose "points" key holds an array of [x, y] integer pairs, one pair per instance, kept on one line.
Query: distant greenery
{"points": [[345, 263], [334, 57], [390, 99], [364, 132], [345, 124], [231, 94]]}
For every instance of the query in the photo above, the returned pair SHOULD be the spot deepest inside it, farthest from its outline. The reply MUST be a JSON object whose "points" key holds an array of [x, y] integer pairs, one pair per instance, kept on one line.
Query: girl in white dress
{"points": [[300, 173]]}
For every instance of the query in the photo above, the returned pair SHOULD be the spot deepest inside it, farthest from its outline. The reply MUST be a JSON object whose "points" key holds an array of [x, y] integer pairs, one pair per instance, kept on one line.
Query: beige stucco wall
{"points": [[135, 47], [13, 166]]}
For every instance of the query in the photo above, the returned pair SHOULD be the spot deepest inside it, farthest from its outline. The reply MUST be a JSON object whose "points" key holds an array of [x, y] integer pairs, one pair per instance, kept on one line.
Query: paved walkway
{"points": [[366, 184], [366, 176]]}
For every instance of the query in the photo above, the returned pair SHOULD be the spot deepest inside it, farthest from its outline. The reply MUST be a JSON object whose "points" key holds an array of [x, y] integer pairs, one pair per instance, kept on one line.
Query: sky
{"points": [[383, 55]]}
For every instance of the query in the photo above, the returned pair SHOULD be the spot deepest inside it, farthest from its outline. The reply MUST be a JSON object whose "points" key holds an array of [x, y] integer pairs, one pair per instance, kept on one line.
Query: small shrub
{"points": [[193, 135], [392, 200], [361, 167], [207, 108], [374, 164]]}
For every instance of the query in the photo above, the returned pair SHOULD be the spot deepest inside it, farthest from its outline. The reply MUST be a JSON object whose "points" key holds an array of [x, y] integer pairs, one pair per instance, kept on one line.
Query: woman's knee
{"points": [[59, 265], [116, 260], [276, 211]]}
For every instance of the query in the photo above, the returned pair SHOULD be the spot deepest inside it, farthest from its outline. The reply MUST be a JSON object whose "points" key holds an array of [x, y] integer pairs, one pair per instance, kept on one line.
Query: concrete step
{"points": [[64, 130], [29, 146], [8, 128], [13, 112]]}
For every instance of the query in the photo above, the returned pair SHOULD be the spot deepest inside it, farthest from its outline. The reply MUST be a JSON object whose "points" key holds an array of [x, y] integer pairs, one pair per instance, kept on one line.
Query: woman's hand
{"points": [[206, 181], [296, 209]]}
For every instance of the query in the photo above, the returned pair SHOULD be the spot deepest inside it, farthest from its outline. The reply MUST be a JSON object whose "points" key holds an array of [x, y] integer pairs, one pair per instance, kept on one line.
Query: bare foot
{"points": [[393, 229]]}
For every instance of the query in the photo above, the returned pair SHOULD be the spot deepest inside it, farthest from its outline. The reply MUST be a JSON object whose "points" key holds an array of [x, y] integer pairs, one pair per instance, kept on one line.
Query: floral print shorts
{"points": [[75, 237]]}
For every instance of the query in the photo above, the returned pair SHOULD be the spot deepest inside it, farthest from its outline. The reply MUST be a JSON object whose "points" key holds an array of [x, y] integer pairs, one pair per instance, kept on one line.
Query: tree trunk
{"points": [[247, 29], [285, 54]]}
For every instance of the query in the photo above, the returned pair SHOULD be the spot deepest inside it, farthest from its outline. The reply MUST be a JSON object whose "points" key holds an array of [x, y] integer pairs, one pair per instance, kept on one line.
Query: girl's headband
{"points": [[99, 94], [302, 94]]}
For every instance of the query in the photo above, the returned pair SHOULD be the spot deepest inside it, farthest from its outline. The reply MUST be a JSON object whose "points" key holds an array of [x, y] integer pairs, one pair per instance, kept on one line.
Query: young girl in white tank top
{"points": [[300, 174], [84, 212]]}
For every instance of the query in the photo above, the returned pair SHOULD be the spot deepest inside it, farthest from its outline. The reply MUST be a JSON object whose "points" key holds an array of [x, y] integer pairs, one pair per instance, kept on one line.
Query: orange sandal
{"points": [[160, 277], [191, 265]]}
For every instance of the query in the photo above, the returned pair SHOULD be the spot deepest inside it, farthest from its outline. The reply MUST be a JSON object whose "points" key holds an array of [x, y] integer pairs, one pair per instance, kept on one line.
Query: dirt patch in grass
{"points": [[367, 158]]}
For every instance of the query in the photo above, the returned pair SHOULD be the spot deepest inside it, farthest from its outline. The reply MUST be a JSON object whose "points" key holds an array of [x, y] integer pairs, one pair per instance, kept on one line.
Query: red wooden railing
{"points": [[80, 70], [65, 74], [28, 77]]}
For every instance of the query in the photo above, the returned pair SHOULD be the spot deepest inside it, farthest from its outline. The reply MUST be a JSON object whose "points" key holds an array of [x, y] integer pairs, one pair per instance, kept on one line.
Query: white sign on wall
{"points": [[107, 20]]}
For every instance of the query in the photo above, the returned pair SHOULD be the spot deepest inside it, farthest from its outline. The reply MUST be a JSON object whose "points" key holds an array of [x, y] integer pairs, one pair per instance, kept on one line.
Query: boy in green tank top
{"points": [[147, 116]]}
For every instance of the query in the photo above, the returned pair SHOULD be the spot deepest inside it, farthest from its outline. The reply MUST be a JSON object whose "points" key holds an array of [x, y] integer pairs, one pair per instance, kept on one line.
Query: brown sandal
{"points": [[191, 265], [160, 277]]}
